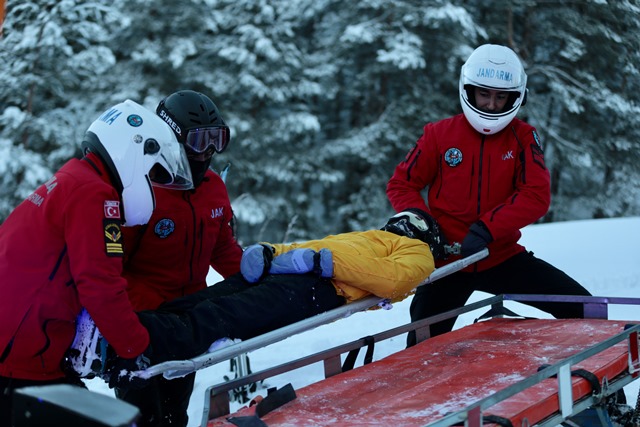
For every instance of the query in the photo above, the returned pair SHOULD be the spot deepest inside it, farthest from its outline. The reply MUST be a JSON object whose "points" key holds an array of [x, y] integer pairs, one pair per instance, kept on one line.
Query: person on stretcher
{"points": [[280, 284]]}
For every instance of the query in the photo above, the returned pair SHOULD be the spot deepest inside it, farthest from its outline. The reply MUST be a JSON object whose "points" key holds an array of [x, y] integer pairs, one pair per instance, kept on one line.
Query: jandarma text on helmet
{"points": [[492, 73]]}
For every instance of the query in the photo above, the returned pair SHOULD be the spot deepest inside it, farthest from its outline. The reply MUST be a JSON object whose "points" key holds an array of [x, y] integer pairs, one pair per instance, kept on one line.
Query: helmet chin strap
{"points": [[198, 170]]}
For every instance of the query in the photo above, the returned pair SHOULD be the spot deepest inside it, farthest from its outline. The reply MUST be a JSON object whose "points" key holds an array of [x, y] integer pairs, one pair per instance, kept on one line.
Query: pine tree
{"points": [[52, 52], [323, 97]]}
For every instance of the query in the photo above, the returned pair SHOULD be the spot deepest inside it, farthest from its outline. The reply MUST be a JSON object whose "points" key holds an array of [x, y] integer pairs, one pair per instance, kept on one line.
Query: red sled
{"points": [[501, 371]]}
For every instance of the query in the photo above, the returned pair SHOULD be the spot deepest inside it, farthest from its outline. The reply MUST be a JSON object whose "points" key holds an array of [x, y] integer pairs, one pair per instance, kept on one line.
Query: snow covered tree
{"points": [[52, 52], [396, 68], [323, 97], [245, 56], [587, 73]]}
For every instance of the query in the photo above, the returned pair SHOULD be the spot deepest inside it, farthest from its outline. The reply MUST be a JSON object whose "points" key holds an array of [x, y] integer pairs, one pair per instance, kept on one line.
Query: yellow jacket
{"points": [[372, 262]]}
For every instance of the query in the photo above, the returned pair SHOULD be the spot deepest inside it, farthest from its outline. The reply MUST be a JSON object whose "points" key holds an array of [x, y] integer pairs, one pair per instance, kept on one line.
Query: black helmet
{"points": [[198, 125], [417, 224]]}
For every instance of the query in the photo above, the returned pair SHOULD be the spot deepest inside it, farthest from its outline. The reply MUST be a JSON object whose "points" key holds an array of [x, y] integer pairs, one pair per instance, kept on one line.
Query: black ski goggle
{"points": [[209, 139]]}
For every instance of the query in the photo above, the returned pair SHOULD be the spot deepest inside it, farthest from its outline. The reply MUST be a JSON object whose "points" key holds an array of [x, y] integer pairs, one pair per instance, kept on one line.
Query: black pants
{"points": [[520, 274], [187, 328], [162, 403], [9, 385], [166, 402]]}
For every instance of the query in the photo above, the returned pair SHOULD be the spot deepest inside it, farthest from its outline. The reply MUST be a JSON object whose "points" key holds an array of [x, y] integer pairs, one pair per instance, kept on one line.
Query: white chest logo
{"points": [[508, 155], [216, 213]]}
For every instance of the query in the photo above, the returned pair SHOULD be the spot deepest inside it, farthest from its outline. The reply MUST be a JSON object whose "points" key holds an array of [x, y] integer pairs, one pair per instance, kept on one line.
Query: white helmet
{"points": [[138, 149], [494, 67]]}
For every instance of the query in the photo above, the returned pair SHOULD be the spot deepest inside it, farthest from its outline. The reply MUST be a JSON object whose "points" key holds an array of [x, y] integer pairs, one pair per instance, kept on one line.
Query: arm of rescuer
{"points": [[531, 197], [417, 171], [96, 267]]}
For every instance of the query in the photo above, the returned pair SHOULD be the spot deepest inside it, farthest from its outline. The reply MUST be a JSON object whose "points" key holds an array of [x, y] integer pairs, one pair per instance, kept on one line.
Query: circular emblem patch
{"points": [[164, 227], [453, 157], [134, 120]]}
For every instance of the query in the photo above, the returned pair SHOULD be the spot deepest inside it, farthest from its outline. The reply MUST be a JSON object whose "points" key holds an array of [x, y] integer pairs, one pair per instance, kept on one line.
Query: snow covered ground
{"points": [[601, 254]]}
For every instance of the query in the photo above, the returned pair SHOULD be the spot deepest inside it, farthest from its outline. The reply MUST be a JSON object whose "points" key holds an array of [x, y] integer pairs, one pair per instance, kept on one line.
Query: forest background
{"points": [[324, 97]]}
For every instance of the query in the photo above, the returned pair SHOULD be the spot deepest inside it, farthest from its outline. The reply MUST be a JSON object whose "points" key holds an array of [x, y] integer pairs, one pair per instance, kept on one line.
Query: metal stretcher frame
{"points": [[217, 396]]}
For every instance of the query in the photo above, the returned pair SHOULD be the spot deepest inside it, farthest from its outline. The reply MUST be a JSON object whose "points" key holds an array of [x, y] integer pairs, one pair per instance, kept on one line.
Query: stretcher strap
{"points": [[492, 419], [350, 360], [499, 311], [275, 399], [250, 421], [495, 419], [591, 378]]}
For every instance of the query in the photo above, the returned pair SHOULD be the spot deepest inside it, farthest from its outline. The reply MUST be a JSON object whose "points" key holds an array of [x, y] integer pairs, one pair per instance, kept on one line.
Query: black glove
{"points": [[476, 239], [119, 371]]}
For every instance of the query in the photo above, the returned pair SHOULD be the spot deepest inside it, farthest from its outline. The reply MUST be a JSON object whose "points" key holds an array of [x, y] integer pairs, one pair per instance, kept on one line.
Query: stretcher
{"points": [[179, 368], [501, 371]]}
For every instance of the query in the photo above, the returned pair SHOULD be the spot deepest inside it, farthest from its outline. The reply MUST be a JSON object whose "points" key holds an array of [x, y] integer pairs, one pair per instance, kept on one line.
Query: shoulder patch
{"points": [[113, 237], [112, 209], [538, 156], [536, 138]]}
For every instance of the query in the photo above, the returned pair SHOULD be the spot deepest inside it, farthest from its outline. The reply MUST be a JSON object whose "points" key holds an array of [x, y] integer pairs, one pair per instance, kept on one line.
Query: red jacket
{"points": [[60, 250], [500, 179], [188, 232]]}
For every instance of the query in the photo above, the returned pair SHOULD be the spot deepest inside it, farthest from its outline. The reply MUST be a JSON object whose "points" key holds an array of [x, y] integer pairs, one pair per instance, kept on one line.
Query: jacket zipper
{"points": [[187, 198], [480, 161]]}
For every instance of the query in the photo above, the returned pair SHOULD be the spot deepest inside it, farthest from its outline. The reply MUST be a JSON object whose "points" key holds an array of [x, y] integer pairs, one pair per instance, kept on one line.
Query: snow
{"points": [[404, 50], [601, 254]]}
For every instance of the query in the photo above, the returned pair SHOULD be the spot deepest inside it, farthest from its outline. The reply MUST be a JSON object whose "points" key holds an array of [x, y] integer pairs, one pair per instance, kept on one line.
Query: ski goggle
{"points": [[207, 140]]}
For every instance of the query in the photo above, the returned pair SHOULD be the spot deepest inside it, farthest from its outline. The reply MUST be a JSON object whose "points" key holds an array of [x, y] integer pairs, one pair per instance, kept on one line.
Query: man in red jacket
{"points": [[61, 248], [188, 233], [486, 179]]}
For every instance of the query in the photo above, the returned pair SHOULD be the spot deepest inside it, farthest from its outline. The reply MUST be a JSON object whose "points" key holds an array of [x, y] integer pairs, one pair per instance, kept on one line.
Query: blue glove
{"points": [[476, 239], [255, 262], [301, 261]]}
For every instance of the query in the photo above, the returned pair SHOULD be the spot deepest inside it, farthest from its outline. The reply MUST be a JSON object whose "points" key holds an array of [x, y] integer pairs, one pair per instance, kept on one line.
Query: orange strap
{"points": [[2, 5], [2, 12]]}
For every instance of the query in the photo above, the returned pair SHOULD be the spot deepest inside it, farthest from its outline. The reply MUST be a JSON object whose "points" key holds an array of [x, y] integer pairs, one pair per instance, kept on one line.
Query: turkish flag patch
{"points": [[112, 209]]}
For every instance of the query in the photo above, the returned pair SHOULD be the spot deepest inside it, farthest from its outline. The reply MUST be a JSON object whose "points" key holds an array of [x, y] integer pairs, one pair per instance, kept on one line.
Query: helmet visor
{"points": [[172, 168], [400, 227], [201, 140], [407, 224]]}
